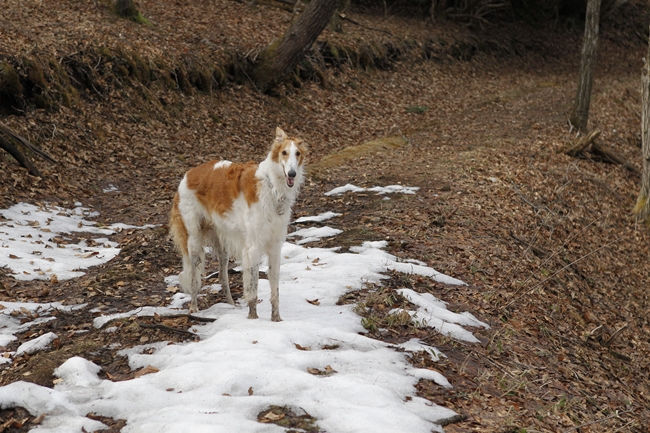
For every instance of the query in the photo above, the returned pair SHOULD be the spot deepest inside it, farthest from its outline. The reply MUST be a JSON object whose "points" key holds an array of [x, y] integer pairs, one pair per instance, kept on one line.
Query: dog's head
{"points": [[290, 154]]}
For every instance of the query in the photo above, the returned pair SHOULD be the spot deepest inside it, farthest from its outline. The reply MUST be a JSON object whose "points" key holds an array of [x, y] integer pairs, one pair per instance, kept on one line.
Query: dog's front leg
{"points": [[274, 281], [251, 274]]}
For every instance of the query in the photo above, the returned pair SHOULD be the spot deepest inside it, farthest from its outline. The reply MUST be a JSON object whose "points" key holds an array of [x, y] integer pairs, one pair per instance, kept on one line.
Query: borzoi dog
{"points": [[241, 210]]}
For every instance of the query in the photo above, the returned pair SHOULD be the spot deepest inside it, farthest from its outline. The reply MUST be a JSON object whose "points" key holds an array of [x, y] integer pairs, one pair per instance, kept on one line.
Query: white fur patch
{"points": [[222, 164]]}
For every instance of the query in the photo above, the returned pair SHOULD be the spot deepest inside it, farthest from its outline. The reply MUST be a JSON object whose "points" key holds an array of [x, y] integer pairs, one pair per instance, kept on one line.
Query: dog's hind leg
{"points": [[222, 252], [193, 266], [274, 279], [251, 275]]}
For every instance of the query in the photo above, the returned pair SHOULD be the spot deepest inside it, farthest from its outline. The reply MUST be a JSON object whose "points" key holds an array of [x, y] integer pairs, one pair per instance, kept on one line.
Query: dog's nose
{"points": [[292, 173]]}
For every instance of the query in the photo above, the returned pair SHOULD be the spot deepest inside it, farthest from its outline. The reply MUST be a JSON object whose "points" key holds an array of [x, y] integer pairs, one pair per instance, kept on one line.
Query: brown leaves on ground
{"points": [[289, 419]]}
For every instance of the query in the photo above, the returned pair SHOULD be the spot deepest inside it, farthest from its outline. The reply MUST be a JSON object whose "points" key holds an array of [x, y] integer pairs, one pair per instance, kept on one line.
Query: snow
{"points": [[378, 189], [28, 246], [240, 367], [110, 188], [11, 324], [433, 312], [318, 218], [313, 234], [37, 344]]}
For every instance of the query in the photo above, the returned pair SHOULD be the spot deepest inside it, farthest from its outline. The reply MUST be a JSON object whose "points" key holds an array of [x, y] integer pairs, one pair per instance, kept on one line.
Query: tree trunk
{"points": [[642, 208], [126, 9], [281, 57], [580, 112]]}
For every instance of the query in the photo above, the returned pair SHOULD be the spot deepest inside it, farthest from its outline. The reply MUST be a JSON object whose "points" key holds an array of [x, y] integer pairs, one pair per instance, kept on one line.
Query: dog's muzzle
{"points": [[291, 176]]}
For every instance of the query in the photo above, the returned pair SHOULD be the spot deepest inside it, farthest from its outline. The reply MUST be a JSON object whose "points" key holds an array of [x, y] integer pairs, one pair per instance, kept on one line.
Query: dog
{"points": [[239, 210]]}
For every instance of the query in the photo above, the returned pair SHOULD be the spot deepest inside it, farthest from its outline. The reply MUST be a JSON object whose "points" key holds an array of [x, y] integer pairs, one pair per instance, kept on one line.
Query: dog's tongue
{"points": [[290, 181]]}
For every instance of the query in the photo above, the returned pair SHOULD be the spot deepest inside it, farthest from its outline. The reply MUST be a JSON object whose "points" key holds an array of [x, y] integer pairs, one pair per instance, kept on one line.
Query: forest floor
{"points": [[547, 243]]}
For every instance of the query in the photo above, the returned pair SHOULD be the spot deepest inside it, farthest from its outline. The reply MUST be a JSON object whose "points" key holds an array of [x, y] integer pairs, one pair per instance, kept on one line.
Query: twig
{"points": [[554, 252], [189, 316], [166, 328], [555, 273], [345, 18], [614, 415], [614, 335], [523, 197]]}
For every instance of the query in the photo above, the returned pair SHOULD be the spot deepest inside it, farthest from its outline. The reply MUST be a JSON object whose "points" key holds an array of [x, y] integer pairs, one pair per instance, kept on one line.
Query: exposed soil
{"points": [[547, 243]]}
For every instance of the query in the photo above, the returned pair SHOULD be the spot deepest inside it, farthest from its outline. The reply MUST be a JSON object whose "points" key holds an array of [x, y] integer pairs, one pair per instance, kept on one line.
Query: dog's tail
{"points": [[177, 228]]}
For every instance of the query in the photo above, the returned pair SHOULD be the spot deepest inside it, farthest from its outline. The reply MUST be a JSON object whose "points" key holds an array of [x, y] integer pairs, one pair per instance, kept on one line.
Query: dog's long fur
{"points": [[241, 210]]}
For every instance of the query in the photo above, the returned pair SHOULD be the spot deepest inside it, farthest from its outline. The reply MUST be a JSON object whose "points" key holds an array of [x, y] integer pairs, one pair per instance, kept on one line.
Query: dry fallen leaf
{"points": [[317, 372], [313, 301], [250, 391], [299, 347], [39, 419], [146, 370], [272, 416]]}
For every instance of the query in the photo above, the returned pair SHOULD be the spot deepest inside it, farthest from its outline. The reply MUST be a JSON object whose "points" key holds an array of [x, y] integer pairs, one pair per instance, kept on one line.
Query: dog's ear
{"points": [[280, 135]]}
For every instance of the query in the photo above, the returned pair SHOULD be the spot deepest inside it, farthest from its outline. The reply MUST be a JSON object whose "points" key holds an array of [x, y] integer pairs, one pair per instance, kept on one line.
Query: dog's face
{"points": [[290, 154]]}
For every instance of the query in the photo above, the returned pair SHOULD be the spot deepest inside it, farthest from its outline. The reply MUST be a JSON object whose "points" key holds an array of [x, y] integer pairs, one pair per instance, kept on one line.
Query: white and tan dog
{"points": [[241, 210]]}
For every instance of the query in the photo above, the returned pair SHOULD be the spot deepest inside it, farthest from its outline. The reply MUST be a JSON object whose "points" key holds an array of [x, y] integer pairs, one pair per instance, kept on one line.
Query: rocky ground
{"points": [[547, 244]]}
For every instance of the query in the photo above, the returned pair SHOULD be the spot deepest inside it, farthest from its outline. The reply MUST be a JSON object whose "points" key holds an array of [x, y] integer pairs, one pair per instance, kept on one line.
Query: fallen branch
{"points": [[345, 18], [18, 156], [583, 142], [588, 142], [4, 129], [166, 328], [9, 137], [610, 156]]}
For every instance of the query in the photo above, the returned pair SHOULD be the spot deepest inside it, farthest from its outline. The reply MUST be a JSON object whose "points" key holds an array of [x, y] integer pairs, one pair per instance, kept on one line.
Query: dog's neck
{"points": [[280, 194], [279, 198]]}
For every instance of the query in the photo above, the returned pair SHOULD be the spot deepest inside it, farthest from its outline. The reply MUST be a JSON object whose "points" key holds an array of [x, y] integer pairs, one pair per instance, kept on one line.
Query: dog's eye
{"points": [[284, 152], [297, 153]]}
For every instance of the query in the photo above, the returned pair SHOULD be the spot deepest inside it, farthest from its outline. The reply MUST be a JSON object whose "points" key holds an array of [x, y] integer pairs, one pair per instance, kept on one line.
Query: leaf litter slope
{"points": [[499, 207]]}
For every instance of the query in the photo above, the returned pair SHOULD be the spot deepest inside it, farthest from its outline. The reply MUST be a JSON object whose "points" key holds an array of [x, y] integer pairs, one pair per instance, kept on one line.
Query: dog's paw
{"points": [[276, 318]]}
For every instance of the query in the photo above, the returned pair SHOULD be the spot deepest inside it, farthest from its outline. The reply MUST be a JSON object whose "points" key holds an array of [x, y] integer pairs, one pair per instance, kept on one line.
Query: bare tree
{"points": [[642, 208], [580, 112], [283, 55]]}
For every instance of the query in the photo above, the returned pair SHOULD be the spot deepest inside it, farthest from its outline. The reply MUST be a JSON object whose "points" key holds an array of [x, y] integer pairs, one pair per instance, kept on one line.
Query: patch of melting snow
{"points": [[33, 242], [15, 318], [390, 189], [318, 218], [37, 344], [313, 234], [240, 367], [110, 188]]}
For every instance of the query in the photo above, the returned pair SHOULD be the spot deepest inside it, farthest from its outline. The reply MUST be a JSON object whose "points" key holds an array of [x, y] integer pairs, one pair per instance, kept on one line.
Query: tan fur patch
{"points": [[177, 227], [218, 188]]}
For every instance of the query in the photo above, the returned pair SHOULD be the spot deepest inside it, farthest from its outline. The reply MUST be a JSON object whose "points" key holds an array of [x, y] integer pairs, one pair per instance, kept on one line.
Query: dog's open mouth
{"points": [[290, 181]]}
